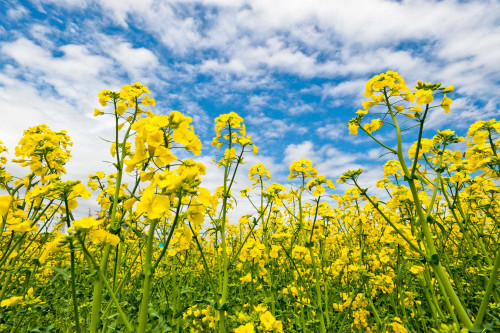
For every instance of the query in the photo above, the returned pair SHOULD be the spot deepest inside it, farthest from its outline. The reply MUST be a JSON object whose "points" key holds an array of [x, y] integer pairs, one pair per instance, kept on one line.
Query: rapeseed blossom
{"points": [[163, 252]]}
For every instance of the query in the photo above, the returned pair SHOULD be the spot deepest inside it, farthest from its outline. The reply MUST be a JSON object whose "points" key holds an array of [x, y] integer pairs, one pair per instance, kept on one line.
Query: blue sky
{"points": [[294, 70]]}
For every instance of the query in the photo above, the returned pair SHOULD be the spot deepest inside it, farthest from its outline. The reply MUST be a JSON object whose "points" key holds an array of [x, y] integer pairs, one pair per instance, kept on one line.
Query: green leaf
{"points": [[64, 273]]}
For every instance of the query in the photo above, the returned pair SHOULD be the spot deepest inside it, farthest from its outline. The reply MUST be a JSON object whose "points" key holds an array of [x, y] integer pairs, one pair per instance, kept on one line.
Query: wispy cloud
{"points": [[295, 70]]}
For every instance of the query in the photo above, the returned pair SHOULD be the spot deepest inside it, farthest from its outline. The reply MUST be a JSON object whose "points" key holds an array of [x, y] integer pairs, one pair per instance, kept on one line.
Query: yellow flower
{"points": [[5, 201], [196, 213], [129, 203], [23, 227], [184, 135], [278, 326], [445, 104], [446, 132], [205, 197], [155, 206], [397, 326], [260, 308], [52, 247], [14, 300], [373, 126], [246, 278], [44, 151], [367, 105], [267, 320], [259, 172], [416, 269], [248, 328], [159, 206], [353, 129], [121, 107], [303, 168], [424, 96], [84, 224], [102, 236], [165, 156]]}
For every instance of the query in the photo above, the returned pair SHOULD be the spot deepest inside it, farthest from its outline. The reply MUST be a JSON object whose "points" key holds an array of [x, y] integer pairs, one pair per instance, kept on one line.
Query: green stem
{"points": [[421, 130], [436, 265], [125, 279], [103, 280], [97, 293], [148, 274], [489, 288], [319, 305], [73, 288], [72, 258]]}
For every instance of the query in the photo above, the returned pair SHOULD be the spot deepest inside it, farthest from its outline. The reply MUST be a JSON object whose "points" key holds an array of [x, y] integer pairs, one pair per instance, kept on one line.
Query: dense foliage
{"points": [[162, 255]]}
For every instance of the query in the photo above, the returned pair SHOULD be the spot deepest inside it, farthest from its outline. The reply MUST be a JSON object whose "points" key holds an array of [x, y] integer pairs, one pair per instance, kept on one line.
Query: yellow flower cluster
{"points": [[259, 173], [306, 259], [385, 87], [303, 169], [46, 152], [230, 130]]}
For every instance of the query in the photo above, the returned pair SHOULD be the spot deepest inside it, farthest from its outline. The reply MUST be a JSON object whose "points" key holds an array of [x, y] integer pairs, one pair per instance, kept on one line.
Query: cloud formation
{"points": [[294, 70]]}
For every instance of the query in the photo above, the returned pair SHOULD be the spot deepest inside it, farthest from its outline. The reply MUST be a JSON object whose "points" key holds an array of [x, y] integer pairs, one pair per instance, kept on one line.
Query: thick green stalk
{"points": [[225, 276], [148, 274], [103, 280], [489, 289], [225, 258], [96, 304], [204, 261], [125, 279], [319, 305], [98, 285], [73, 288], [72, 259], [436, 265]]}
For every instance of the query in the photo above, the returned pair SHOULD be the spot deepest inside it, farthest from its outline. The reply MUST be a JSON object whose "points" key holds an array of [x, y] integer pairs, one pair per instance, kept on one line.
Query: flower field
{"points": [[419, 253]]}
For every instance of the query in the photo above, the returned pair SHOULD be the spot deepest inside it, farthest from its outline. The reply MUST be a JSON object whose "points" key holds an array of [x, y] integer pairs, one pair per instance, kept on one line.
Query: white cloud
{"points": [[300, 108], [61, 91], [41, 34], [249, 41], [271, 128], [257, 102], [344, 88], [17, 12], [305, 150], [332, 131], [242, 46], [76, 75], [25, 106], [137, 61], [235, 66], [71, 4]]}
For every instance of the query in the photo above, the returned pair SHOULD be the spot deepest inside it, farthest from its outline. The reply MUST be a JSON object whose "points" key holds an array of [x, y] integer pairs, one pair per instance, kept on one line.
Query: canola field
{"points": [[162, 254]]}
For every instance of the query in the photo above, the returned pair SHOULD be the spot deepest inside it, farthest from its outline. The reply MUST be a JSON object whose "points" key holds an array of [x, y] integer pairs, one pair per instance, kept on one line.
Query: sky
{"points": [[294, 70]]}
